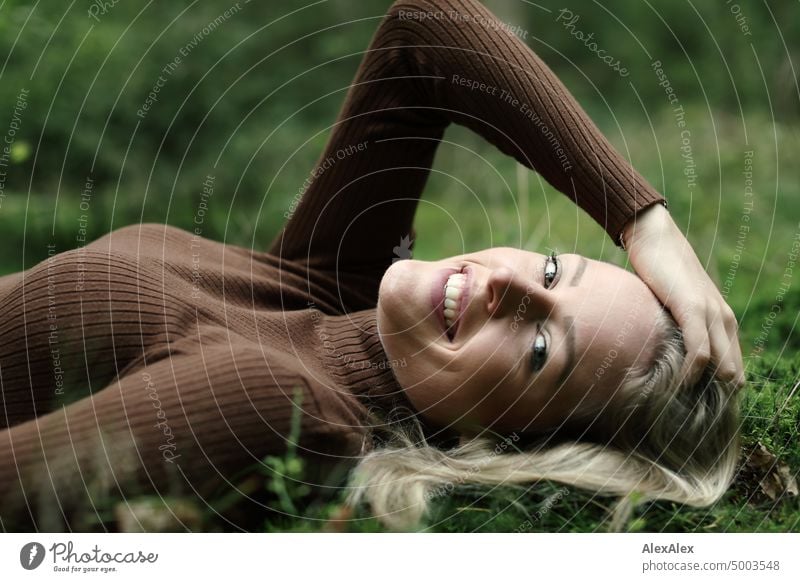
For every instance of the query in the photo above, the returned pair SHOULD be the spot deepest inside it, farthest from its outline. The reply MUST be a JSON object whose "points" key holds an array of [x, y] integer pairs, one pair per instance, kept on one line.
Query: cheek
{"points": [[478, 383], [489, 368]]}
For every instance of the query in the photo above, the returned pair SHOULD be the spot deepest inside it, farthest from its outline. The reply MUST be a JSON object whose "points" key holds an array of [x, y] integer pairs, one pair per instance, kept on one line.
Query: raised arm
{"points": [[432, 62]]}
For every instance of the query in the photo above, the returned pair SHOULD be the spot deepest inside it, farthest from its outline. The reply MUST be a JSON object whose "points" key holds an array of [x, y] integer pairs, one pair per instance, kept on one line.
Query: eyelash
{"points": [[539, 348]]}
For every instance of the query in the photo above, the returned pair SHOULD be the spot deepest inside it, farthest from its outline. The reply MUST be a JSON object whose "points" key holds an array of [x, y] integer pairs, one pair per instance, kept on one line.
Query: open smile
{"points": [[451, 295]]}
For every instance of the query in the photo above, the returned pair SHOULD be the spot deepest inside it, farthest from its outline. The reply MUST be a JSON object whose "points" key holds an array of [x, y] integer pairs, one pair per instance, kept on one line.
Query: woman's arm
{"points": [[188, 424], [430, 63]]}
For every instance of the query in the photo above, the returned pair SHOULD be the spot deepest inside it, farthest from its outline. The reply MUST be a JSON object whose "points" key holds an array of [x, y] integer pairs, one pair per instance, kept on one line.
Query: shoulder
{"points": [[280, 386]]}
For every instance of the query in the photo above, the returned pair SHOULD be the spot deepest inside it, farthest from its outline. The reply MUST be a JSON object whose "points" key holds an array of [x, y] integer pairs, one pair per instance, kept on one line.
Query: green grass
{"points": [[522, 211]]}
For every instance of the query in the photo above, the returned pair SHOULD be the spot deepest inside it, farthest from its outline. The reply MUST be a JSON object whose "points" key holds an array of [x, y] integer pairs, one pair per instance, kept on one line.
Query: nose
{"points": [[509, 294]]}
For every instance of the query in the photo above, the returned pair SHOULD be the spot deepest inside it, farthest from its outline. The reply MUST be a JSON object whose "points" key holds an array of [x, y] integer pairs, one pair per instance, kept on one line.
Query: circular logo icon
{"points": [[31, 555]]}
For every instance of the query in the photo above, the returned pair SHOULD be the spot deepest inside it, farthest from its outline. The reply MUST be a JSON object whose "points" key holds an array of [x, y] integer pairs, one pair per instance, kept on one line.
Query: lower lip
{"points": [[437, 296]]}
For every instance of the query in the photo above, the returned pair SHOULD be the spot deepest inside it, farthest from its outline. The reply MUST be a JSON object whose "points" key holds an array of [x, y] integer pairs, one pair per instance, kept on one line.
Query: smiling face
{"points": [[532, 337]]}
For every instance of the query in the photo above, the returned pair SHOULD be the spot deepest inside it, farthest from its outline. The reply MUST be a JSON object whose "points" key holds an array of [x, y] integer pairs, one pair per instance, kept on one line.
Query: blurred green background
{"points": [[249, 93], [272, 75]]}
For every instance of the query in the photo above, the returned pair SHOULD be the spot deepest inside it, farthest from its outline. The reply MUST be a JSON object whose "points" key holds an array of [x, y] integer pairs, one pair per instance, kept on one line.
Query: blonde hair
{"points": [[665, 441]]}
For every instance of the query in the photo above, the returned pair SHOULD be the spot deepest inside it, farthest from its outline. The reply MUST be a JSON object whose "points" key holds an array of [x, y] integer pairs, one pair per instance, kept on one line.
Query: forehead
{"points": [[615, 316], [603, 297], [612, 292]]}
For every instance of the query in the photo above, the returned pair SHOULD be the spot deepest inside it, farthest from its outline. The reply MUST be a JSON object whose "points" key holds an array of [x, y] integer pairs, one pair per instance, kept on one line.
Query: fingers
{"points": [[739, 377], [697, 343], [712, 340], [722, 349], [732, 327], [726, 352]]}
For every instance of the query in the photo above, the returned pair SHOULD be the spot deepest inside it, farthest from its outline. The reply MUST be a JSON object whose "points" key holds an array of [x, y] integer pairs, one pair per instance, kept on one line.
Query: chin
{"points": [[398, 286], [397, 310], [387, 306], [388, 282]]}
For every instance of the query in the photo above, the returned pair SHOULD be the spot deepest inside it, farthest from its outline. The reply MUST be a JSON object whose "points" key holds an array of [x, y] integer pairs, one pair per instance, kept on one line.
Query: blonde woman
{"points": [[155, 361]]}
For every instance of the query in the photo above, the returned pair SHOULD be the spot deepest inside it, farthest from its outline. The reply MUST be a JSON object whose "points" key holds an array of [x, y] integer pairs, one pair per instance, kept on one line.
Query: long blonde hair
{"points": [[666, 441]]}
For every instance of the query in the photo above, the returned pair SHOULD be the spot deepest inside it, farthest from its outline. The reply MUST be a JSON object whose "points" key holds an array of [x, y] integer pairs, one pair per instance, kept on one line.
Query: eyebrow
{"points": [[569, 365], [576, 278]]}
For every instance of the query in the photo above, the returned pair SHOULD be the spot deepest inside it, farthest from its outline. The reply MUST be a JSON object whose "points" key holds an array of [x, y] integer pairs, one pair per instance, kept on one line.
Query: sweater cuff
{"points": [[618, 239]]}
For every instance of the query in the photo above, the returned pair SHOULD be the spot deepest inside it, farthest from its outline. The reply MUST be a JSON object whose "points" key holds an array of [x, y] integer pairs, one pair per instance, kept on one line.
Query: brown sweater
{"points": [[154, 360]]}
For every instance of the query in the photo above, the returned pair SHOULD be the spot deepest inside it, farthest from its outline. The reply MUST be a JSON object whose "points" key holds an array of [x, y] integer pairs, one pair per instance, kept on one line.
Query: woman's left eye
{"points": [[550, 270], [539, 352]]}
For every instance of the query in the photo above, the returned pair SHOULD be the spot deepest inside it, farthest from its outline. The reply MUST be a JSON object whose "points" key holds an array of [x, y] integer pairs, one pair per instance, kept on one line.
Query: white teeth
{"points": [[457, 278], [452, 293]]}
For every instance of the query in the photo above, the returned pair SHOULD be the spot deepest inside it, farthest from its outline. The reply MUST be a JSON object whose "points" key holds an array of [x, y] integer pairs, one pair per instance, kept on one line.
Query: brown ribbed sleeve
{"points": [[412, 82], [189, 423]]}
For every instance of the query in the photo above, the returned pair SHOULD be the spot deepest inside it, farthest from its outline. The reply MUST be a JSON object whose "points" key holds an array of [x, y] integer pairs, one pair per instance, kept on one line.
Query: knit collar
{"points": [[352, 353]]}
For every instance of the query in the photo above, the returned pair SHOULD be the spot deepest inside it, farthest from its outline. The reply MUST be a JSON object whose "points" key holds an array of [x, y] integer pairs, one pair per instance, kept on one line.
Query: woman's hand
{"points": [[664, 259]]}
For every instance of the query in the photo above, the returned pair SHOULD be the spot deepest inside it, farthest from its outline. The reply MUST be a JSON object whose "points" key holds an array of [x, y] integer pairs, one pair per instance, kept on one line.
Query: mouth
{"points": [[450, 295]]}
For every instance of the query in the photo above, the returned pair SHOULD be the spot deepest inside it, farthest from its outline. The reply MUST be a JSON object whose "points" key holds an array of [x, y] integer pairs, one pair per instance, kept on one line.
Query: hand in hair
{"points": [[664, 259]]}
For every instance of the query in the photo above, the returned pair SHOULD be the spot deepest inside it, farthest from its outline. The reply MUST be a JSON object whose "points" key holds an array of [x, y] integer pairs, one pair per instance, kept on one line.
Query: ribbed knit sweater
{"points": [[153, 360]]}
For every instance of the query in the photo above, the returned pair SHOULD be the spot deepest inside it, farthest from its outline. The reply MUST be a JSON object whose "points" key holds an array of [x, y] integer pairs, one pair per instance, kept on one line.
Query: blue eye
{"points": [[550, 270], [539, 351]]}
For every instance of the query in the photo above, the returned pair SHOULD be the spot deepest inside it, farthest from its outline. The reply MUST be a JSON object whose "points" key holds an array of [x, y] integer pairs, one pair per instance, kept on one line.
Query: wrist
{"points": [[645, 223]]}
